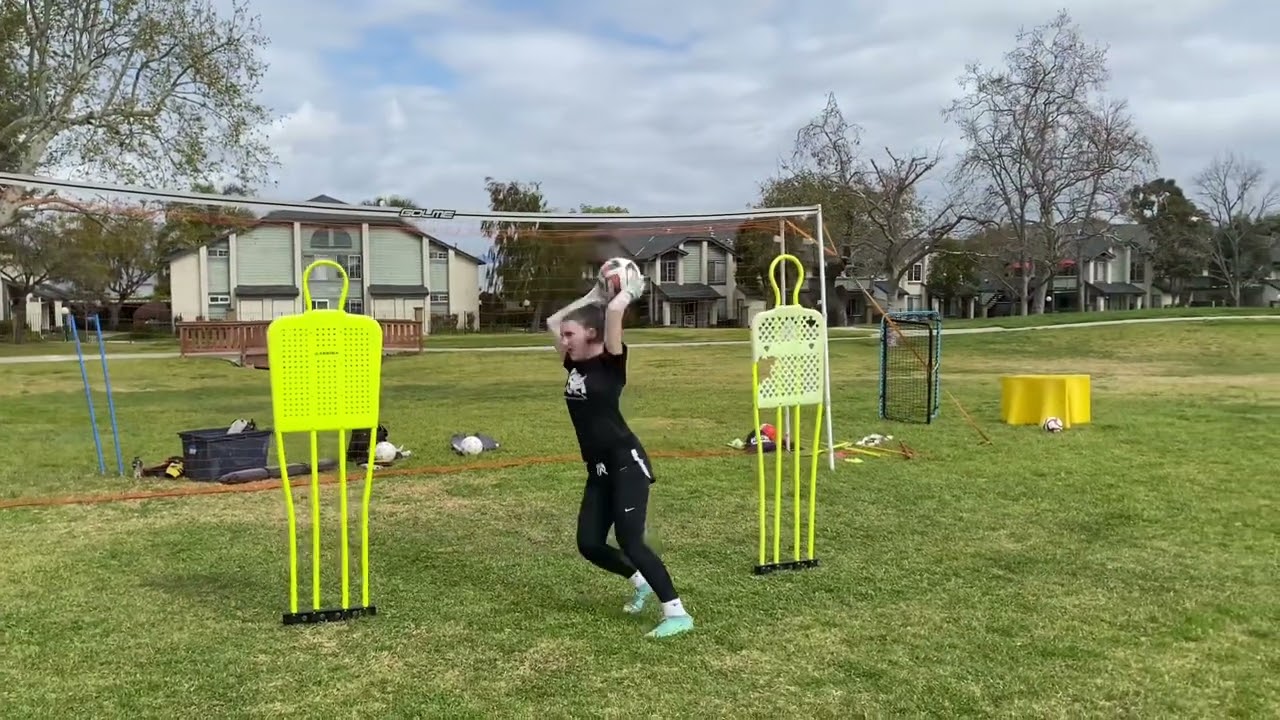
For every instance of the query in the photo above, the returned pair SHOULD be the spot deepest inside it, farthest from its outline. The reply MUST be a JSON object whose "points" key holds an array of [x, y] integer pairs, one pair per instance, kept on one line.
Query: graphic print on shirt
{"points": [[575, 387]]}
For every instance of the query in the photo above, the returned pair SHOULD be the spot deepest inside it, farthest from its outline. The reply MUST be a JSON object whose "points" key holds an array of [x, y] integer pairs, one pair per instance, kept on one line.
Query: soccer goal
{"points": [[234, 264], [910, 350]]}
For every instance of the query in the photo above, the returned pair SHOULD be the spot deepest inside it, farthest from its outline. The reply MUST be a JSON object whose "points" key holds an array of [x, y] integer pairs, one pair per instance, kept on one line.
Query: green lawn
{"points": [[1122, 569], [1071, 318], [57, 346]]}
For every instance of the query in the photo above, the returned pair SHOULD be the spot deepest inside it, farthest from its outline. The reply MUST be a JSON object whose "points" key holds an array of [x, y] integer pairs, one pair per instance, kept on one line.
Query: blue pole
{"points": [[111, 402], [88, 396]]}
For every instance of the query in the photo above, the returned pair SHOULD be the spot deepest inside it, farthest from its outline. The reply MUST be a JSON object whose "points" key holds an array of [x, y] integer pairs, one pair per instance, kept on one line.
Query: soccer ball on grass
{"points": [[1052, 425]]}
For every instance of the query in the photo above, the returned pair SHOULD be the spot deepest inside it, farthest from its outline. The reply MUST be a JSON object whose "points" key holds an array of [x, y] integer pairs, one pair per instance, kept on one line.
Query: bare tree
{"points": [[147, 90], [1239, 203], [1048, 158], [905, 228]]}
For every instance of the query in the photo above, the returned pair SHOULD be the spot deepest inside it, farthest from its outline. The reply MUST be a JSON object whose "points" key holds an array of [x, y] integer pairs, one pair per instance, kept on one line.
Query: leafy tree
{"points": [[116, 254], [145, 91], [528, 264], [953, 270], [34, 249], [399, 201], [602, 209], [1179, 233], [1047, 155], [187, 225], [1239, 203]]}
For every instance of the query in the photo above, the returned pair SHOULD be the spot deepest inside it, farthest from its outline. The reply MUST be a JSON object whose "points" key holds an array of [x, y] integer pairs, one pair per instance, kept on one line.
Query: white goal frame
{"points": [[814, 211]]}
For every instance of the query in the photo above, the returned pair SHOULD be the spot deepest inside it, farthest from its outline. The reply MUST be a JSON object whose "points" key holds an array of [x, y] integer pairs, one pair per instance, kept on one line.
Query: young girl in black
{"points": [[588, 335]]}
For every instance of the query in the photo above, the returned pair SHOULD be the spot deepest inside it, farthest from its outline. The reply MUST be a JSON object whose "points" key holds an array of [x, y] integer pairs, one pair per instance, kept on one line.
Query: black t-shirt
{"points": [[591, 392]]}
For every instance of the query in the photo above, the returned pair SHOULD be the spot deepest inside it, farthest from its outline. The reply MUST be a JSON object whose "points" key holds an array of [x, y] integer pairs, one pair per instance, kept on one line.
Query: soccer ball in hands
{"points": [[618, 274], [1052, 425]]}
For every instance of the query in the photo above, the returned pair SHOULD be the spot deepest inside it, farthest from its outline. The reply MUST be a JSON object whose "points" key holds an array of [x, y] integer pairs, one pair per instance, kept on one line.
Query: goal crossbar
{"points": [[50, 183]]}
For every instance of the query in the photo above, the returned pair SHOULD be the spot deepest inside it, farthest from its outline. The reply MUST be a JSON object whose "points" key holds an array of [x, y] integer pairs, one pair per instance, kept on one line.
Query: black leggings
{"points": [[619, 497]]}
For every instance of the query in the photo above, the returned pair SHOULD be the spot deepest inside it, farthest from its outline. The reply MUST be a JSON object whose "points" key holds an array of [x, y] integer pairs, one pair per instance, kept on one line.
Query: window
{"points": [[324, 273], [331, 238], [219, 252], [439, 297], [1099, 271], [717, 272], [669, 270], [321, 304], [917, 273], [1137, 272], [353, 264], [438, 254], [355, 307], [219, 299]]}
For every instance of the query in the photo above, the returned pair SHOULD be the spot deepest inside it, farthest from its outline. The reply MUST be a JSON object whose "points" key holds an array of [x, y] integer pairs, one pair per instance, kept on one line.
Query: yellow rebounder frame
{"points": [[326, 376], [788, 345]]}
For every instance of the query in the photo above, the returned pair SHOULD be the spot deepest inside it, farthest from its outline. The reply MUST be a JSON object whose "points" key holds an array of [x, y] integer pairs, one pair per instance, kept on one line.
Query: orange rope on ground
{"points": [[303, 481]]}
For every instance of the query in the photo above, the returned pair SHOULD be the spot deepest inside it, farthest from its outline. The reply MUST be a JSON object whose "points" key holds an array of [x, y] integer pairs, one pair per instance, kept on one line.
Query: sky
{"points": [[677, 106]]}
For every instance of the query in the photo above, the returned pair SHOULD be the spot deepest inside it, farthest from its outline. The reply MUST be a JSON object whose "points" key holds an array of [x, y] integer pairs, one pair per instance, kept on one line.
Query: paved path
{"points": [[29, 359]]}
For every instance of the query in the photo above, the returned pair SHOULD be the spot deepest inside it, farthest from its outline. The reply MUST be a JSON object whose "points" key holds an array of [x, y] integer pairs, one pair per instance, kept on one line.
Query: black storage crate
{"points": [[210, 454]]}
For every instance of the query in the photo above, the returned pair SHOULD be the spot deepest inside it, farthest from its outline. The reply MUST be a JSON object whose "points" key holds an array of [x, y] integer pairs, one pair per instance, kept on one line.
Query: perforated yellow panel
{"points": [[326, 369], [789, 345]]}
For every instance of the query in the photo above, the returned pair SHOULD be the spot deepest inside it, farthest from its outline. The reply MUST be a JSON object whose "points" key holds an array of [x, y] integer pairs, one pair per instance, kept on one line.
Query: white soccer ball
{"points": [[384, 452], [1053, 425], [471, 445], [618, 274]]}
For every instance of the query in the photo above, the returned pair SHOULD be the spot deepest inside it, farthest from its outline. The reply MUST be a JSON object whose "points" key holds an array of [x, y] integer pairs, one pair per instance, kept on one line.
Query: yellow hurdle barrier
{"points": [[788, 345], [326, 376]]}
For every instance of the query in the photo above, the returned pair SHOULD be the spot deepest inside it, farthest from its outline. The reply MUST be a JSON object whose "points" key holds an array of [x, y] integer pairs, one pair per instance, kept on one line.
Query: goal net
{"points": [[181, 258]]}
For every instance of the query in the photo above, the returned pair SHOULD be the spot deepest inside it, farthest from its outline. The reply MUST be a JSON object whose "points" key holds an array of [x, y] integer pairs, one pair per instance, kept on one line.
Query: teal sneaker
{"points": [[637, 601], [671, 626]]}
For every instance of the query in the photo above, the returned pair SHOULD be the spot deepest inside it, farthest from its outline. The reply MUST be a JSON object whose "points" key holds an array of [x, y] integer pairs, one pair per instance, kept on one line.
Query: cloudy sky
{"points": [[677, 106]]}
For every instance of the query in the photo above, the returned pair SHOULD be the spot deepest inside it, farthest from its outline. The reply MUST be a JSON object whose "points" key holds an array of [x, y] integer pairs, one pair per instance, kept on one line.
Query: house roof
{"points": [[688, 291], [354, 218], [1117, 288], [645, 246]]}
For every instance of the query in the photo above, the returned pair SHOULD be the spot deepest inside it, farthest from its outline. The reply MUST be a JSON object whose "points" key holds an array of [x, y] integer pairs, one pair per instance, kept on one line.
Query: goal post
{"points": [[477, 270]]}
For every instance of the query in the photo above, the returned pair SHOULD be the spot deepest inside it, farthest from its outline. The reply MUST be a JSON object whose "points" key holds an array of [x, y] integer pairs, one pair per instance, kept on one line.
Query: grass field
{"points": [[1127, 568], [120, 343]]}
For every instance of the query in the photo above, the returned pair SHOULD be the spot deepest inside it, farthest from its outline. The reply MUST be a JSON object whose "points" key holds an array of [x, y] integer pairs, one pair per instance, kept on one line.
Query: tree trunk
{"points": [[1037, 299], [535, 323], [1026, 290], [113, 321], [18, 311]]}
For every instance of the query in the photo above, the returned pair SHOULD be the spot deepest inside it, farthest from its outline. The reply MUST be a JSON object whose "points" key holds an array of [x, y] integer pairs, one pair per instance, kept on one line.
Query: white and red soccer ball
{"points": [[618, 274]]}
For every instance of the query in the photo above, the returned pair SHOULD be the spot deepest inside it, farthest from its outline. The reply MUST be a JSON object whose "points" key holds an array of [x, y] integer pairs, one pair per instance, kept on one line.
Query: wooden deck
{"points": [[247, 339]]}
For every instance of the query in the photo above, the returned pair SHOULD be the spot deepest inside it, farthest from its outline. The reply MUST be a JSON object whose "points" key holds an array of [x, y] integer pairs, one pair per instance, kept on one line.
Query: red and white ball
{"points": [[618, 274]]}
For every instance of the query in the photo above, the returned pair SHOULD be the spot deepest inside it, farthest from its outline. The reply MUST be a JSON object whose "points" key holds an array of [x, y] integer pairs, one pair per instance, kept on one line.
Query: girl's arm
{"points": [[632, 288], [613, 315]]}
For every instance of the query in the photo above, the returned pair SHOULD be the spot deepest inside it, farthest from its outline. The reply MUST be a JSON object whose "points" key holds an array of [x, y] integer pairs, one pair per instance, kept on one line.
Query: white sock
{"points": [[673, 608], [638, 579]]}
